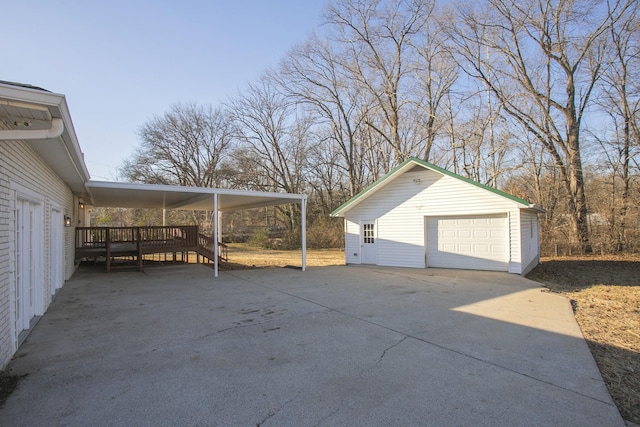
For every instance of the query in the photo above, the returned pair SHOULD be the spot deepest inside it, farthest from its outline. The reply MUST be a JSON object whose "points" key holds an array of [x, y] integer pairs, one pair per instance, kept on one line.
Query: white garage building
{"points": [[420, 215]]}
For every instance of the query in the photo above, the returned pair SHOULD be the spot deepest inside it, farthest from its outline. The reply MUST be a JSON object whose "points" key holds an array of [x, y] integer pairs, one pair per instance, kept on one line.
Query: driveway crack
{"points": [[275, 411], [384, 353]]}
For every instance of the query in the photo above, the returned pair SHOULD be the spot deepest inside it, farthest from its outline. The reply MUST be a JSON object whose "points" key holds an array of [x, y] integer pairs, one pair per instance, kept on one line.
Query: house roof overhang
{"points": [[130, 195], [29, 110], [409, 164]]}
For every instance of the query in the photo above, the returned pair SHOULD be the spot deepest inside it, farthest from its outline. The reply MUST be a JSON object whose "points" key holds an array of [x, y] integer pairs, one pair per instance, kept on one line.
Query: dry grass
{"points": [[605, 294], [244, 256]]}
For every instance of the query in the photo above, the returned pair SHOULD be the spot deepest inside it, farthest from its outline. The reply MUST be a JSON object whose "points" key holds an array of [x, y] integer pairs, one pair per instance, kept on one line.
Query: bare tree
{"points": [[185, 146], [539, 181], [436, 72], [275, 136], [378, 54], [621, 101], [327, 181], [312, 75], [543, 63]]}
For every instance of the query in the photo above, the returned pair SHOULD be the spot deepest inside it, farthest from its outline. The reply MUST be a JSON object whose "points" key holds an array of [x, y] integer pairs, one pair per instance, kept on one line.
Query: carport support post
{"points": [[215, 234], [303, 205]]}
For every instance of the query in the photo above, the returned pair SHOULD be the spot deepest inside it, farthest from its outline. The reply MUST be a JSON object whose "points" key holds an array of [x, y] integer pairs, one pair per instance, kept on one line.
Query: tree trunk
{"points": [[576, 190]]}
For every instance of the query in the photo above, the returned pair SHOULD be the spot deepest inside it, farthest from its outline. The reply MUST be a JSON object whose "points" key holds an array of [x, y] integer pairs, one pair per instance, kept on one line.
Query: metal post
{"points": [[219, 227], [215, 234], [303, 205]]}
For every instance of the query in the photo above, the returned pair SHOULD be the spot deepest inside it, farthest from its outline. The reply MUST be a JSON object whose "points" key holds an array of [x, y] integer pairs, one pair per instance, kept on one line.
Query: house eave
{"points": [[61, 153], [536, 208], [408, 164]]}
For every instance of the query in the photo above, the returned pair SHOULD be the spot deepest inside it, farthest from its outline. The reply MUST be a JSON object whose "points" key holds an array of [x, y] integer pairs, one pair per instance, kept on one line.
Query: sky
{"points": [[120, 63]]}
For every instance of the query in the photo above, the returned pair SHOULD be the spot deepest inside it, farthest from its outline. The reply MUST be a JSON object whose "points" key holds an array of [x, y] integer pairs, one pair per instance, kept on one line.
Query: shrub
{"points": [[260, 238]]}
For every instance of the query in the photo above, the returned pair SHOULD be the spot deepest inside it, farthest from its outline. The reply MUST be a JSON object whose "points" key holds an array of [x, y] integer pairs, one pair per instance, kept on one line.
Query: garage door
{"points": [[469, 242]]}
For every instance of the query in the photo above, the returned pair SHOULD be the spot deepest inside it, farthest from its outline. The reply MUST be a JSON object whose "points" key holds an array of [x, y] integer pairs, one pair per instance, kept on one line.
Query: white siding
{"points": [[400, 208], [529, 232], [20, 167], [352, 242]]}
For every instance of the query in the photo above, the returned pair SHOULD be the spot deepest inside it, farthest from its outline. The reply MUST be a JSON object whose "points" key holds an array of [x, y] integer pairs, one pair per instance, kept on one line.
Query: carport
{"points": [[131, 195]]}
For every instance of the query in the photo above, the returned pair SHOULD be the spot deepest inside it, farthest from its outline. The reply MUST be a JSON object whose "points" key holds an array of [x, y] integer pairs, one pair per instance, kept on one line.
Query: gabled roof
{"points": [[408, 165], [24, 85]]}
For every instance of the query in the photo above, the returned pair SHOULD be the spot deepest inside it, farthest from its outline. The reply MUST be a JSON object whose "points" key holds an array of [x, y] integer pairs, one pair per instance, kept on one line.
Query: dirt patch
{"points": [[8, 383], [605, 294]]}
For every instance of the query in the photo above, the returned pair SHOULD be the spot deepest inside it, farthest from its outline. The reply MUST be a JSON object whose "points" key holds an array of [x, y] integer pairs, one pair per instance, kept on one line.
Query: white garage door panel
{"points": [[471, 242]]}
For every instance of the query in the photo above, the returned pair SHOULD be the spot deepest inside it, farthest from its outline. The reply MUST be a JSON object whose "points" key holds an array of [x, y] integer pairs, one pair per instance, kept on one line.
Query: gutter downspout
{"points": [[56, 129]]}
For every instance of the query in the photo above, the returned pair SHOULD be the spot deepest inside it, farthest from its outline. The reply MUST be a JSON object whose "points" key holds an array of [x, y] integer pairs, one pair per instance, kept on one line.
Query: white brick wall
{"points": [[21, 167]]}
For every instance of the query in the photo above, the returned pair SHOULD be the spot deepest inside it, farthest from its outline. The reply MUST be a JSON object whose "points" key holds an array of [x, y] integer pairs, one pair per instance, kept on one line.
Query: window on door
{"points": [[368, 233]]}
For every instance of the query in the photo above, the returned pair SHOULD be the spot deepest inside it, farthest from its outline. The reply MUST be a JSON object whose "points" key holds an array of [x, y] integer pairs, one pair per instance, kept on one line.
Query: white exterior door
{"points": [[369, 242], [27, 292], [476, 242], [56, 251]]}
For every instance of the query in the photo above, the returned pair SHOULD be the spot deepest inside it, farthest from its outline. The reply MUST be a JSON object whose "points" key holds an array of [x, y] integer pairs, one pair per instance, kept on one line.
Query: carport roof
{"points": [[129, 195]]}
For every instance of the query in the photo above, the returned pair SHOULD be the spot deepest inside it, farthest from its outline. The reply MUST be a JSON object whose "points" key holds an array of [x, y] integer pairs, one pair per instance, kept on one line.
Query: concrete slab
{"points": [[331, 346]]}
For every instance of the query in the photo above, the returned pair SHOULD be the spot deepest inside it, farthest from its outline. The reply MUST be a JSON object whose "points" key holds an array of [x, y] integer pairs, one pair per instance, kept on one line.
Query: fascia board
{"points": [[407, 164], [199, 194], [71, 141], [28, 95], [472, 182]]}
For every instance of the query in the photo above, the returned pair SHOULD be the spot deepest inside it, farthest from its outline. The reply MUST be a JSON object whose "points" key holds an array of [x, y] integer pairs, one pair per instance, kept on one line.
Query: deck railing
{"points": [[109, 242], [205, 241]]}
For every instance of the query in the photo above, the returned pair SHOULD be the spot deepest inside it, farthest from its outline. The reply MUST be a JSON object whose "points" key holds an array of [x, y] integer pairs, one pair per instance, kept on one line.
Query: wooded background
{"points": [[537, 98]]}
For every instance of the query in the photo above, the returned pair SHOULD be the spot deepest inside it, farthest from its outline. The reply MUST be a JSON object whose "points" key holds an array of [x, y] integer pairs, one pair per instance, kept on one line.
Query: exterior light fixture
{"points": [[67, 221], [81, 205]]}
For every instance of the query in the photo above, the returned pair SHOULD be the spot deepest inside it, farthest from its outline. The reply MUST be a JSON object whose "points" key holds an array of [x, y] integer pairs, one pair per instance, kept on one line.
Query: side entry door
{"points": [[369, 242]]}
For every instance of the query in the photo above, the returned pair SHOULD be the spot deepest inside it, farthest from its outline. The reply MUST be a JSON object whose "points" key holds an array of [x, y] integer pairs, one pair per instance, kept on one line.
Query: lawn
{"points": [[605, 295], [245, 256]]}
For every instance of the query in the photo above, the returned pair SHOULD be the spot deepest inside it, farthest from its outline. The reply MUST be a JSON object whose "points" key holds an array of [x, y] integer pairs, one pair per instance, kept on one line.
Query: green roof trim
{"points": [[432, 167]]}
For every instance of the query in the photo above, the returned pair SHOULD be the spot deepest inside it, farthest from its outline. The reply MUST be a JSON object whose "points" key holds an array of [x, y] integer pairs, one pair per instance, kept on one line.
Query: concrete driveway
{"points": [[345, 345]]}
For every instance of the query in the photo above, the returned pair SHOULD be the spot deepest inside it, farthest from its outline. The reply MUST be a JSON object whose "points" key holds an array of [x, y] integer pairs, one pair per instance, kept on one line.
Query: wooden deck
{"points": [[112, 243]]}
